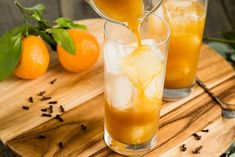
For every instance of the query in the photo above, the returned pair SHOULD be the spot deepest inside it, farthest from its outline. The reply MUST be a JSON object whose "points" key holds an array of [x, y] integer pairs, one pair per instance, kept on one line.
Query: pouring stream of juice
{"points": [[118, 10]]}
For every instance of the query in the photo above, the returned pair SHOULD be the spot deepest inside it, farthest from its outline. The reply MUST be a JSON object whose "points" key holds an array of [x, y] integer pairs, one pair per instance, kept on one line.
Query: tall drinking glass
{"points": [[134, 80], [187, 20]]}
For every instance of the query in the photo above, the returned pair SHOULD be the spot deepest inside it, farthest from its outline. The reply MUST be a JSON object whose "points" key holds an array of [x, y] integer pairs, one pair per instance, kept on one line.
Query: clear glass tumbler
{"points": [[134, 80], [187, 20]]}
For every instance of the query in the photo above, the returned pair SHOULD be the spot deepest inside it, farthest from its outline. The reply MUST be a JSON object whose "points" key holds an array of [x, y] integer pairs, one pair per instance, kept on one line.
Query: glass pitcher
{"points": [[131, 7]]}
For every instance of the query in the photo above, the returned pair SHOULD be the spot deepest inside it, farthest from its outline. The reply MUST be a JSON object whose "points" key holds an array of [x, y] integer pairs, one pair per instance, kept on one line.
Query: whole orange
{"points": [[87, 51], [34, 59]]}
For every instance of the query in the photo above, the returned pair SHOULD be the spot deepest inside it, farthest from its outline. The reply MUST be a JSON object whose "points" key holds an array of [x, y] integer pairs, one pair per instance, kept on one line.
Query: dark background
{"points": [[220, 18]]}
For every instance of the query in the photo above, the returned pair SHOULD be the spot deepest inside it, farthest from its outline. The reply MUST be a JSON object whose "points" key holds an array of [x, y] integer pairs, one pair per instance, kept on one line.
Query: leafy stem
{"points": [[26, 18], [219, 40]]}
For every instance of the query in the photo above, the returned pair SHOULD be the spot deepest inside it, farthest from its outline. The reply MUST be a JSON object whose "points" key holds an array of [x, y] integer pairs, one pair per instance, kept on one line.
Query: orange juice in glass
{"points": [[134, 82], [187, 20]]}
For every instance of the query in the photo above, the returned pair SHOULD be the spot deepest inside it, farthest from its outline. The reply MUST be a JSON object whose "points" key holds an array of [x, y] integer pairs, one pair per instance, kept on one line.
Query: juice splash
{"points": [[187, 21]]}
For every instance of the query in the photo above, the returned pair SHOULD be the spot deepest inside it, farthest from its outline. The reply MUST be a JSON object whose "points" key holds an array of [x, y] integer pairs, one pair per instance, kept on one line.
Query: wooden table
{"points": [[28, 134]]}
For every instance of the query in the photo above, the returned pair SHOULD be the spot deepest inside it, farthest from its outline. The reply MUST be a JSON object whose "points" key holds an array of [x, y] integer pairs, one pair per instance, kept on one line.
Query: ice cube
{"points": [[118, 90], [155, 88], [112, 58], [160, 12], [142, 65], [183, 11], [151, 43], [174, 5], [139, 134]]}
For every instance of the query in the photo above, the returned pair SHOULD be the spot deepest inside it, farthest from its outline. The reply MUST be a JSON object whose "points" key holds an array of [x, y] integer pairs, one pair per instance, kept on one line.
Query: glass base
{"points": [[125, 149], [175, 94], [228, 113]]}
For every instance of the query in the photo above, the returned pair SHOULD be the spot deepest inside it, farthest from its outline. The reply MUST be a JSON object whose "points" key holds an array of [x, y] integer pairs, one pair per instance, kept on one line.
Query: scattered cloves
{"points": [[50, 109], [61, 108], [44, 109], [183, 148], [30, 99], [41, 137], [196, 136], [25, 107], [83, 127], [52, 102], [205, 130], [41, 93], [46, 115], [45, 98], [53, 81], [197, 150], [61, 145], [59, 118]]}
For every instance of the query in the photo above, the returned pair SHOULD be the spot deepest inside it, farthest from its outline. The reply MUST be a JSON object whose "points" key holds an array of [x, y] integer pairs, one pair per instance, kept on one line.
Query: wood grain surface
{"points": [[82, 97], [214, 140]]}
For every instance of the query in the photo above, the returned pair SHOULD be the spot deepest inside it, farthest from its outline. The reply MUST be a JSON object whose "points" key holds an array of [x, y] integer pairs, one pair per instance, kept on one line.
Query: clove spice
{"points": [[61, 145], [197, 150], [41, 137], [59, 118], [61, 108], [196, 136], [52, 102], [205, 130], [46, 115], [83, 127], [25, 107], [41, 93], [183, 148], [53, 81], [44, 109], [30, 99], [50, 109], [45, 98]]}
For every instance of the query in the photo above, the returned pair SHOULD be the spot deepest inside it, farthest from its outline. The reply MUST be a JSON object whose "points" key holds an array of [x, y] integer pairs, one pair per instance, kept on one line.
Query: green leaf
{"points": [[62, 38], [69, 24], [39, 8], [233, 57], [230, 36], [10, 51], [36, 13], [48, 38], [43, 23], [222, 48], [37, 16]]}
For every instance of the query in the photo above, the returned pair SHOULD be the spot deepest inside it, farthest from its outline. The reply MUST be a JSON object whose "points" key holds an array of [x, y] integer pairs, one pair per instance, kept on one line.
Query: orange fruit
{"points": [[87, 51], [34, 59]]}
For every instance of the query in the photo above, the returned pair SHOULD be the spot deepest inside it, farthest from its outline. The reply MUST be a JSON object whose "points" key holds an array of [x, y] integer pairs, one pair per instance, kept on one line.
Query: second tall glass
{"points": [[187, 20]]}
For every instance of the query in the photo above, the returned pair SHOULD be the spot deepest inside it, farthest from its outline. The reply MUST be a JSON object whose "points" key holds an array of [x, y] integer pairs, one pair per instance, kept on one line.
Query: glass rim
{"points": [[128, 45]]}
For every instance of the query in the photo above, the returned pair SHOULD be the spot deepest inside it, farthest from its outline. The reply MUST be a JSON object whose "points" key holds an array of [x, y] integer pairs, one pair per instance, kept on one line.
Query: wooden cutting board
{"points": [[82, 97]]}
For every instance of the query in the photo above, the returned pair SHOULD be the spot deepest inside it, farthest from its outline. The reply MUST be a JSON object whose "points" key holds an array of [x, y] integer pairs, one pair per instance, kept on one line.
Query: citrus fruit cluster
{"points": [[24, 52], [34, 59]]}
